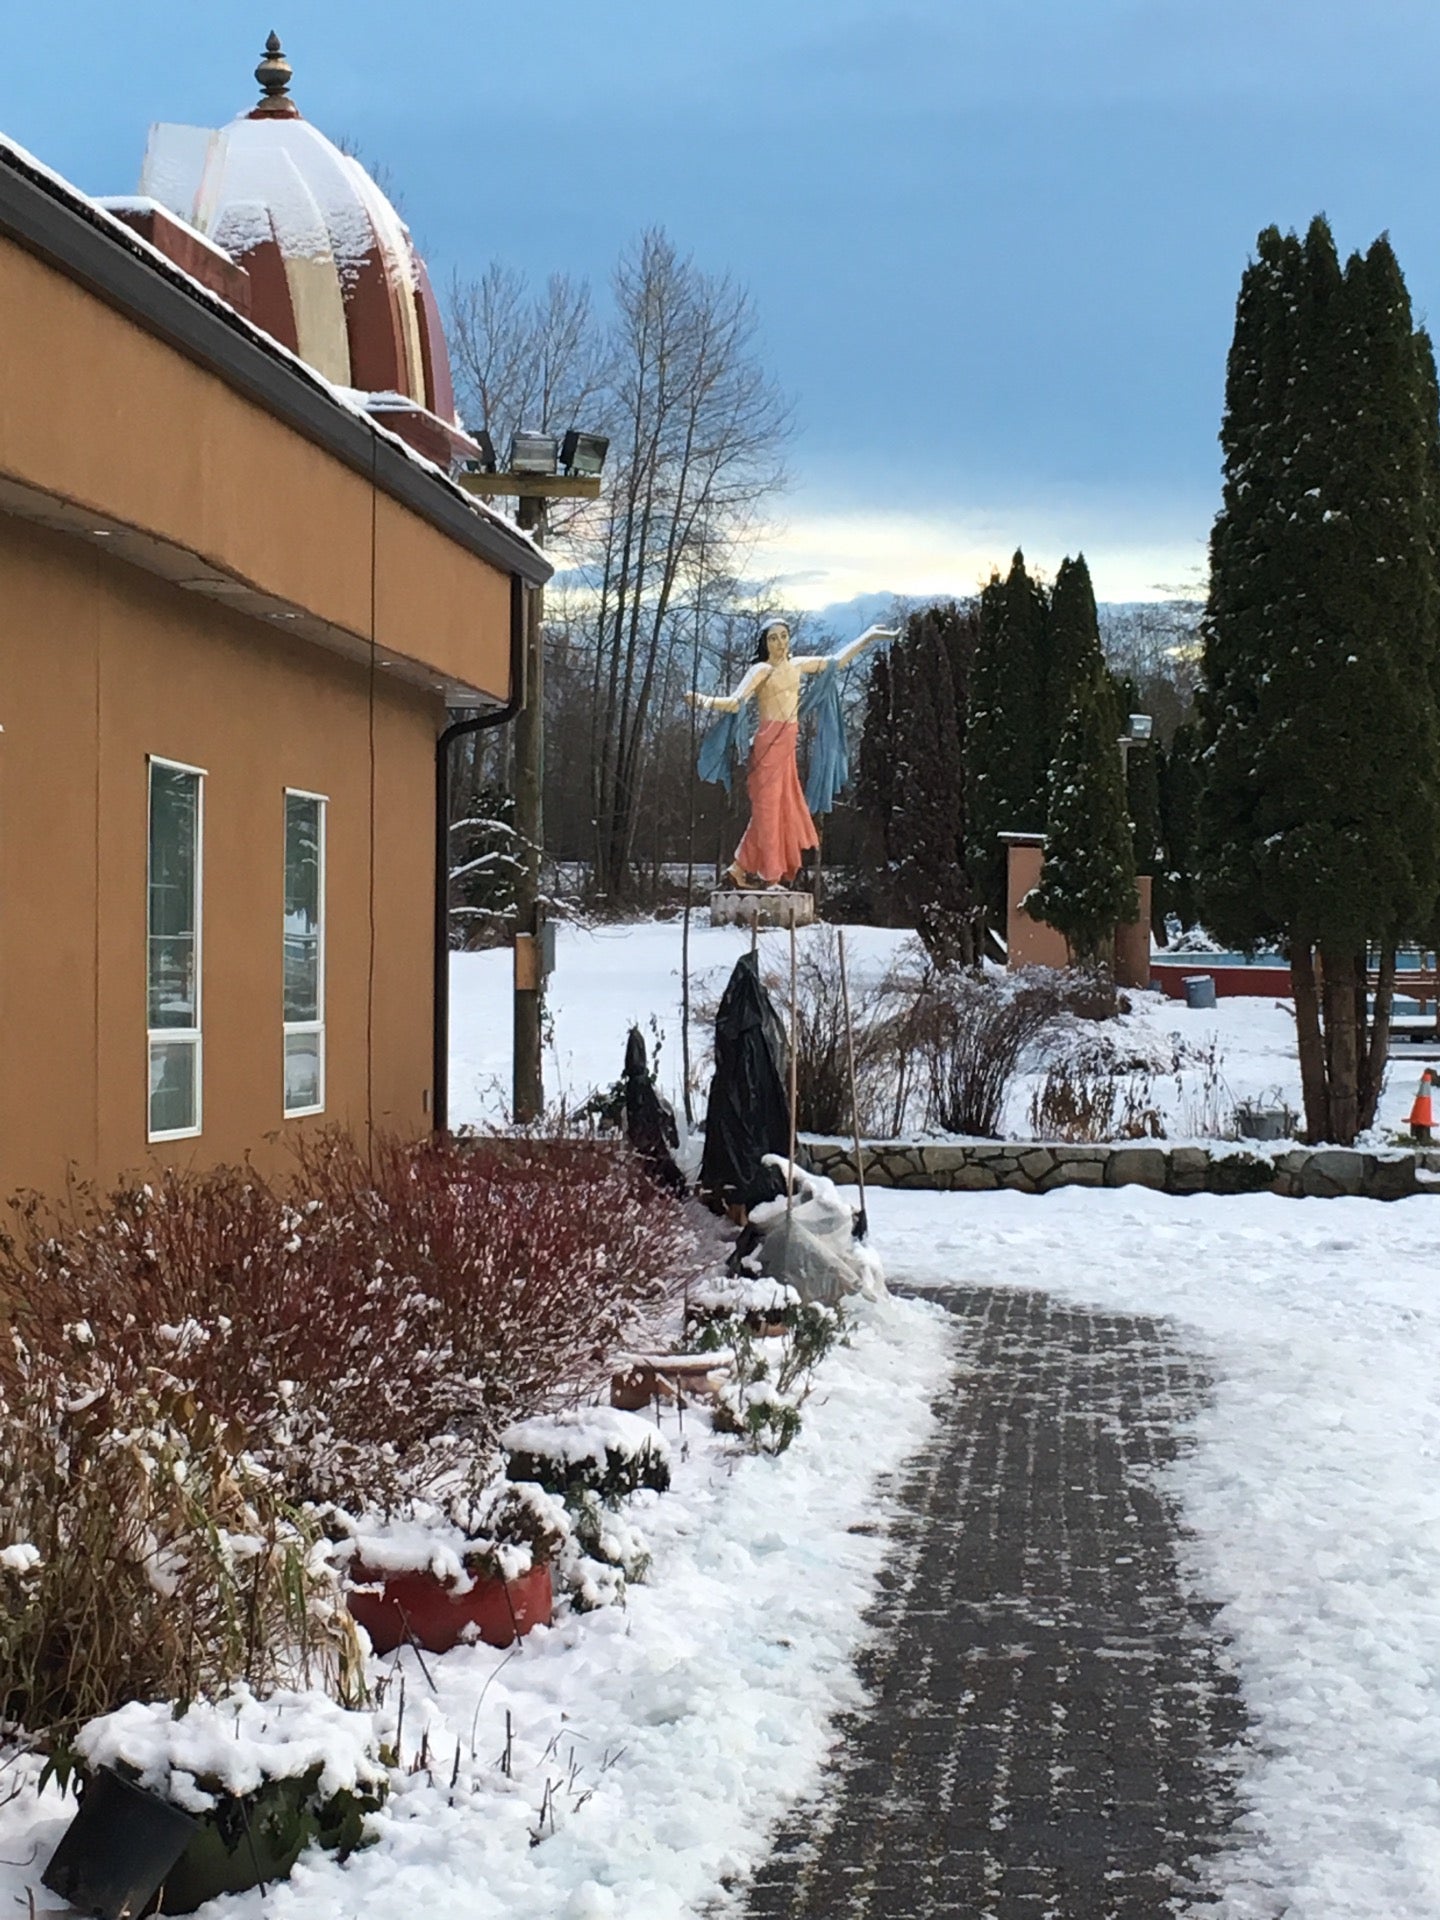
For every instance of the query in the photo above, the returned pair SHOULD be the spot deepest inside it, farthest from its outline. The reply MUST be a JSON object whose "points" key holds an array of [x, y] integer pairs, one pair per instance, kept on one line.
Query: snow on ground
{"points": [[1311, 1485], [651, 1746], [609, 978], [606, 980]]}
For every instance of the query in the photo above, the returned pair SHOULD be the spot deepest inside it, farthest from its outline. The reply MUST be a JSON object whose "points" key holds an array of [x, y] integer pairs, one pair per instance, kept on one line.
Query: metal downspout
{"points": [[502, 716]]}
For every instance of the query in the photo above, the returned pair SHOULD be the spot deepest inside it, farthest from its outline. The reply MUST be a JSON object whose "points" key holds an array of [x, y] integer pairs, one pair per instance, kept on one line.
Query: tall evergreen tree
{"points": [[1073, 651], [1087, 884], [1142, 800], [1180, 777], [1320, 816], [911, 776], [1005, 742]]}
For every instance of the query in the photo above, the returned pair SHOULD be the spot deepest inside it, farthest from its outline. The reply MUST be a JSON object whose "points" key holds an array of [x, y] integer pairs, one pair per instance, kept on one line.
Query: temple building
{"points": [[240, 590]]}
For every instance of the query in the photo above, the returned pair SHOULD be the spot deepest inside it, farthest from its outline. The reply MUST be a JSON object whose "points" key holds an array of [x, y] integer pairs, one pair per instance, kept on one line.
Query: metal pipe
{"points": [[501, 717]]}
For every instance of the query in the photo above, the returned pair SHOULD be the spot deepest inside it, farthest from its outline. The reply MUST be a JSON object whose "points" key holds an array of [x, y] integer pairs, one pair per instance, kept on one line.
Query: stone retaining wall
{"points": [[1027, 1167]]}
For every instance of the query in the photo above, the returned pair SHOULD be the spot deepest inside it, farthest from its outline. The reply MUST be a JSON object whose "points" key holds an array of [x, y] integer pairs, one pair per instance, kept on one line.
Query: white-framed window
{"points": [[304, 953], [172, 948]]}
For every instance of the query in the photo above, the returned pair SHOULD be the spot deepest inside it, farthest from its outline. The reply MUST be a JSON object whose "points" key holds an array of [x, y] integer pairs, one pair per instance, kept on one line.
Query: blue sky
{"points": [[994, 244]]}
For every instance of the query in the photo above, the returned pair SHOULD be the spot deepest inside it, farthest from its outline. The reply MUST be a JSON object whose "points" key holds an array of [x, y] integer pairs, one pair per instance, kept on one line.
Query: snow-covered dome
{"points": [[334, 274]]}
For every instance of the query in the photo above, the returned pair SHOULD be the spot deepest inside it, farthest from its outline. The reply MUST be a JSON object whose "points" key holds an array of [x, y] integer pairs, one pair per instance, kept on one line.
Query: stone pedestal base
{"points": [[768, 907]]}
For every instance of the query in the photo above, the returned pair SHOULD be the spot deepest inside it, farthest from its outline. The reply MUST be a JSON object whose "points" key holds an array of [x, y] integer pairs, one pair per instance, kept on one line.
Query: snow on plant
{"points": [[596, 1449], [158, 1559], [192, 1358], [375, 1323], [771, 1374], [233, 1745]]}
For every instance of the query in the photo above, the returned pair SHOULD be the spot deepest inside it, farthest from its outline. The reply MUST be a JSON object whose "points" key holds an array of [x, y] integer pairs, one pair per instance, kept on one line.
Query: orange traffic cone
{"points": [[1422, 1114]]}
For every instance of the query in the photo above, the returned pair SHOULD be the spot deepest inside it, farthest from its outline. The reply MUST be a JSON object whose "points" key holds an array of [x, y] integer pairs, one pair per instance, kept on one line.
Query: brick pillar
{"points": [[1132, 942]]}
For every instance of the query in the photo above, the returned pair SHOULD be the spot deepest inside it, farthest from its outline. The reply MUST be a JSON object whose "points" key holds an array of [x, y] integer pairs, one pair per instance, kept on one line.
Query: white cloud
{"points": [[827, 554]]}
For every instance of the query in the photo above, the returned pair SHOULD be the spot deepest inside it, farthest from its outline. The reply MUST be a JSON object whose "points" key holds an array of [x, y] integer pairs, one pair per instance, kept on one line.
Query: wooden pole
{"points": [[527, 1096], [862, 1224], [794, 1079]]}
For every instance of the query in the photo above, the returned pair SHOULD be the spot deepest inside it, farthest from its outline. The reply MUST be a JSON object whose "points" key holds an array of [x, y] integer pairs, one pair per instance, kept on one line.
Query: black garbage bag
{"points": [[749, 1113], [649, 1121]]}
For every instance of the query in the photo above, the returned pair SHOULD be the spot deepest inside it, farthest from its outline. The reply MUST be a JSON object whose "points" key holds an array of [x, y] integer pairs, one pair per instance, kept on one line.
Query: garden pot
{"points": [[252, 1841], [119, 1849], [419, 1605]]}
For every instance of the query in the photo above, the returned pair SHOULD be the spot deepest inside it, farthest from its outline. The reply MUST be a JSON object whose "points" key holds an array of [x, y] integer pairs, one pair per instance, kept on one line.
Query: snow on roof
{"points": [[279, 181], [23, 161], [141, 203]]}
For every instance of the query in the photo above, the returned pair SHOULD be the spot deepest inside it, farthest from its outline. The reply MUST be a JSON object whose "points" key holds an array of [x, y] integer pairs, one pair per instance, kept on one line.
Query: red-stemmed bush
{"points": [[372, 1322]]}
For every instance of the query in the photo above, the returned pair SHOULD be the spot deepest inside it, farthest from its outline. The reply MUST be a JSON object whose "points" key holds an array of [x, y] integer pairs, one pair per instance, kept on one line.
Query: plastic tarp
{"points": [[810, 1243], [748, 1115], [649, 1121]]}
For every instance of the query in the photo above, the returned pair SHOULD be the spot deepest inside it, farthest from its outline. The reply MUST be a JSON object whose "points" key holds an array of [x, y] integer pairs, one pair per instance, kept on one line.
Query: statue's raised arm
{"points": [[850, 652], [781, 830]]}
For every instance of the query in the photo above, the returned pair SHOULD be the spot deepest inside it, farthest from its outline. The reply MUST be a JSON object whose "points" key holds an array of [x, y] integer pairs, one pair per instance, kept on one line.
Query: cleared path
{"points": [[1047, 1708]]}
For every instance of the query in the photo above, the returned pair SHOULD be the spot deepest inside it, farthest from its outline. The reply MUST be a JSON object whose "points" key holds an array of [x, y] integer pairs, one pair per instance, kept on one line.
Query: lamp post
{"points": [[1136, 734], [540, 468]]}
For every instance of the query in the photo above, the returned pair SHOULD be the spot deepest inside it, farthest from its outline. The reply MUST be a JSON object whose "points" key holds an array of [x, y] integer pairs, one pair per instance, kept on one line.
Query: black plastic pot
{"points": [[116, 1852]]}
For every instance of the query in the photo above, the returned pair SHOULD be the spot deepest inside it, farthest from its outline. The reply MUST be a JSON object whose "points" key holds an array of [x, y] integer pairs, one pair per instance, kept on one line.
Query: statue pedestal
{"points": [[762, 907]]}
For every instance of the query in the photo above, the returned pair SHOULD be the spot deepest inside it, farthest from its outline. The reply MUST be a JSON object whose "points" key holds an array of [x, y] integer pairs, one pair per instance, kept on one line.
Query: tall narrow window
{"points": [[304, 934], [173, 950]]}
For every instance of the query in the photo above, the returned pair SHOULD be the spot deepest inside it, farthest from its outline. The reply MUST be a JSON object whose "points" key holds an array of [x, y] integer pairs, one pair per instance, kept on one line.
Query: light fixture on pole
{"points": [[487, 461], [583, 453], [536, 453]]}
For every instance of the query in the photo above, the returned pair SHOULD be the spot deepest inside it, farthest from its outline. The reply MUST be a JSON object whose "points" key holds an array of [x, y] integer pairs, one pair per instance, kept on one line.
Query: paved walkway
{"points": [[1045, 1701]]}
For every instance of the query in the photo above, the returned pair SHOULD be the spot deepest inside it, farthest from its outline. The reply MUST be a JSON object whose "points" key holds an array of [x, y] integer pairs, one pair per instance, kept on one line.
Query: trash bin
{"points": [[1199, 991]]}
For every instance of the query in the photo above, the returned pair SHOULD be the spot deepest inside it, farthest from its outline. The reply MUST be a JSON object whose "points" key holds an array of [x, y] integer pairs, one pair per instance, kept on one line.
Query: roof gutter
{"points": [[502, 716], [64, 229]]}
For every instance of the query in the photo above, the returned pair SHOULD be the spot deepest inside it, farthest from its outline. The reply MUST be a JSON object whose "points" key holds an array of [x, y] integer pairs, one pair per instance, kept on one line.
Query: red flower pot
{"points": [[417, 1605]]}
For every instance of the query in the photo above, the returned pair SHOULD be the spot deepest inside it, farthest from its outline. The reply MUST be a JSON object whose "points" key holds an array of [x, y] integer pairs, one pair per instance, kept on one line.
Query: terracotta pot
{"points": [[419, 1605]]}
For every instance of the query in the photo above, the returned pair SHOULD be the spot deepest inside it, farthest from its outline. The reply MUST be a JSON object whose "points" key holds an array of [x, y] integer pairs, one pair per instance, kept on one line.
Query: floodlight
{"points": [[1138, 726], [583, 452], [533, 453], [485, 463]]}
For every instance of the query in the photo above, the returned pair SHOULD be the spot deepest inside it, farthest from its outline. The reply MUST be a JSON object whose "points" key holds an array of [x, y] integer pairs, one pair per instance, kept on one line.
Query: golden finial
{"points": [[274, 73]]}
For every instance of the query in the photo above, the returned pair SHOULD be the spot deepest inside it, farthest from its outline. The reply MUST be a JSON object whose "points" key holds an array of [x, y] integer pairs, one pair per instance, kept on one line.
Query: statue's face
{"points": [[777, 643]]}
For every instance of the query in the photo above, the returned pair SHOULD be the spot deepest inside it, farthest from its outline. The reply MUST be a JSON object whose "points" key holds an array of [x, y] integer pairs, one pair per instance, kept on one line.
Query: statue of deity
{"points": [[784, 690]]}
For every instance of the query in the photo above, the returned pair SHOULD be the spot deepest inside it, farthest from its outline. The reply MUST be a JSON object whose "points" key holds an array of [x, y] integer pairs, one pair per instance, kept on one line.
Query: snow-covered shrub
{"points": [[973, 1033], [765, 1305], [1095, 1093], [370, 1324], [599, 1450], [498, 1532], [592, 1459], [534, 1258], [771, 1375], [147, 1555], [604, 1553], [264, 1776]]}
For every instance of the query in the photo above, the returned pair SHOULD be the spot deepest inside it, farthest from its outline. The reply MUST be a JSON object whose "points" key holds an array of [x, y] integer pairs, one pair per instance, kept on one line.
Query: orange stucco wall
{"points": [[98, 412], [100, 665]]}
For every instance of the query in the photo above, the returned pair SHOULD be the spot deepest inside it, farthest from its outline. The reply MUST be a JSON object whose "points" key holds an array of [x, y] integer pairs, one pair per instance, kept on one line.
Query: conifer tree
{"points": [[1142, 798], [1320, 816], [1005, 740], [1179, 798], [1073, 650], [1087, 884], [911, 777]]}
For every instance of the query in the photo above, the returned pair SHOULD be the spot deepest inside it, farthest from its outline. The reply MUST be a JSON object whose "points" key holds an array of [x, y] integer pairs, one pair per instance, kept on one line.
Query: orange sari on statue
{"points": [[780, 829]]}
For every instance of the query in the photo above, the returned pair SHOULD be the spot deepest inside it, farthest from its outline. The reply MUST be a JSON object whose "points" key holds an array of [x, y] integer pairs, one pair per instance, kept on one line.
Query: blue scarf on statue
{"points": [[729, 740]]}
